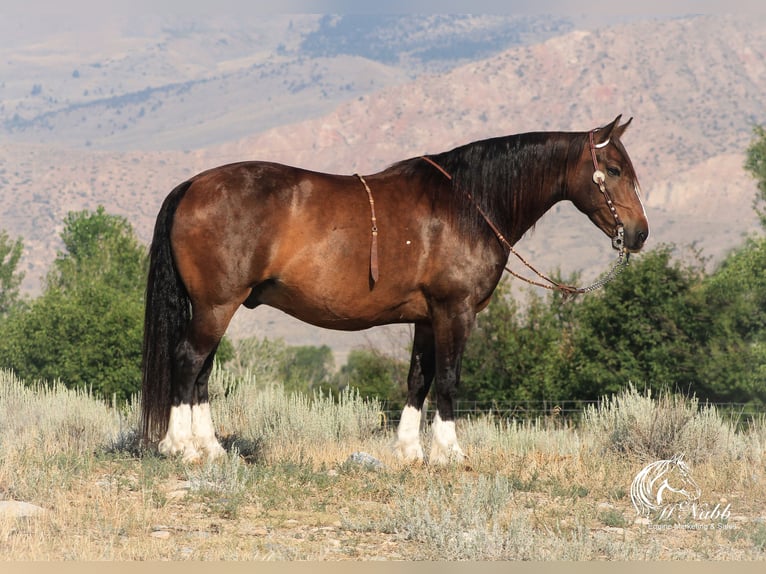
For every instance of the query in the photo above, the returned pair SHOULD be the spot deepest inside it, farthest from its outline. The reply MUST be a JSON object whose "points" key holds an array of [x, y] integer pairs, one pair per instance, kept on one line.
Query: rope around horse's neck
{"points": [[566, 290]]}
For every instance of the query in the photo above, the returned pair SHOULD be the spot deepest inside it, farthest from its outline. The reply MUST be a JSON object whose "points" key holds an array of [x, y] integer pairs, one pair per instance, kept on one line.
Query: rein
{"points": [[618, 241]]}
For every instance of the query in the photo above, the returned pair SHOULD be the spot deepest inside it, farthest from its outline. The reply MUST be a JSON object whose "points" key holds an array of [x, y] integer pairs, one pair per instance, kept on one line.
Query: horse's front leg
{"points": [[451, 329], [421, 375]]}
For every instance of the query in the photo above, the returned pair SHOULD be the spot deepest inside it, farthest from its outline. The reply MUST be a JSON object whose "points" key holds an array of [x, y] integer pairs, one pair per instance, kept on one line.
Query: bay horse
{"points": [[424, 241]]}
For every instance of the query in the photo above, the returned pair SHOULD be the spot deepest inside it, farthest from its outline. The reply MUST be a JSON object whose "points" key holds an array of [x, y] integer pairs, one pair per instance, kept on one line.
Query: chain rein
{"points": [[568, 290]]}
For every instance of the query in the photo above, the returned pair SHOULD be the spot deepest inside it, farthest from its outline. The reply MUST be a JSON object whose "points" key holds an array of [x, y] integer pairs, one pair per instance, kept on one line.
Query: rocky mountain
{"points": [[363, 97], [185, 84]]}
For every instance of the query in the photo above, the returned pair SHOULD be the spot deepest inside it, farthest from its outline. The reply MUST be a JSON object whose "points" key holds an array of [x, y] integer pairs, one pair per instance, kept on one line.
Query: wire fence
{"points": [[560, 413]]}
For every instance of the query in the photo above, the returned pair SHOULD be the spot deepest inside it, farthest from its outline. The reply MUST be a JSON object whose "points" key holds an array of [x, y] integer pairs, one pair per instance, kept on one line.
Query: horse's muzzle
{"points": [[633, 240]]}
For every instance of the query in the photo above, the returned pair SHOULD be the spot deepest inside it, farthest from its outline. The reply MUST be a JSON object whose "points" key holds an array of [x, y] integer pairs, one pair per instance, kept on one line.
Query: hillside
{"points": [[185, 83], [695, 86]]}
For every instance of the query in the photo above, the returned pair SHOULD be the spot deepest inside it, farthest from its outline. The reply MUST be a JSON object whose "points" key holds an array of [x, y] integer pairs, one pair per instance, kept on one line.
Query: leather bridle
{"points": [[618, 241]]}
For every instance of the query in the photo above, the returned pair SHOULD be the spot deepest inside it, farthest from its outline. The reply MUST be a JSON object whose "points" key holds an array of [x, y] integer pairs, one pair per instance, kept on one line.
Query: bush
{"points": [[648, 326], [662, 324], [10, 277], [658, 429], [734, 362], [514, 355], [85, 329], [296, 368], [376, 376]]}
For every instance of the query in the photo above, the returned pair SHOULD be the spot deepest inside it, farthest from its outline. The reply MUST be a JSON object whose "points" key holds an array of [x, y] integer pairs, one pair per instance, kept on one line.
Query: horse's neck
{"points": [[513, 180], [539, 187]]}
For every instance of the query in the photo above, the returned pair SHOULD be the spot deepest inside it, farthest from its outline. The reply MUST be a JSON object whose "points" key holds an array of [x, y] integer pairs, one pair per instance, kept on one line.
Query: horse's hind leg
{"points": [[190, 429], [203, 430], [421, 375]]}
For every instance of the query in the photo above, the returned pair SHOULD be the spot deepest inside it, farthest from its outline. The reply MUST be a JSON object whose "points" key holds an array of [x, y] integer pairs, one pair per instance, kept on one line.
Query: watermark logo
{"points": [[666, 491]]}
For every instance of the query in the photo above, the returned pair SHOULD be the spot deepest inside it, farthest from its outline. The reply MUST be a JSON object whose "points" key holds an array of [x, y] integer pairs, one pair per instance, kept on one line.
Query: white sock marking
{"points": [[408, 435], [203, 430], [444, 448], [179, 436]]}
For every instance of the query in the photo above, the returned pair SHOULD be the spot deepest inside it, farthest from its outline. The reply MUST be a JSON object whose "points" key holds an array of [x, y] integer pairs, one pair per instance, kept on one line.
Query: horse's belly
{"points": [[347, 312]]}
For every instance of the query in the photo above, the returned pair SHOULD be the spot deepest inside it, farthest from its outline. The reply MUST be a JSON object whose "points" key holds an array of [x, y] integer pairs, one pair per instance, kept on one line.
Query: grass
{"points": [[287, 490]]}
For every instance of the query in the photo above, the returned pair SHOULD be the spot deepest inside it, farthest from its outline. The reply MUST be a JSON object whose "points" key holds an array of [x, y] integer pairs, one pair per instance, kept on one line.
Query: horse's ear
{"points": [[619, 130], [602, 135]]}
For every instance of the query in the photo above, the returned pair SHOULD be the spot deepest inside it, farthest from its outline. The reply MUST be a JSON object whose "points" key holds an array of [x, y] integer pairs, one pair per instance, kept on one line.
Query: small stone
{"points": [[366, 460], [160, 534], [19, 509]]}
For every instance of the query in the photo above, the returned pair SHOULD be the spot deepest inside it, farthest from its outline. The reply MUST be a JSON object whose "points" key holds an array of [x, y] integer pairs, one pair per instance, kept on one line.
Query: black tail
{"points": [[167, 314]]}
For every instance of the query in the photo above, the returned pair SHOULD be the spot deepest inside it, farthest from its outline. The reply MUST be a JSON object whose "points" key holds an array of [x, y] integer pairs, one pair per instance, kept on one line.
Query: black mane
{"points": [[512, 178]]}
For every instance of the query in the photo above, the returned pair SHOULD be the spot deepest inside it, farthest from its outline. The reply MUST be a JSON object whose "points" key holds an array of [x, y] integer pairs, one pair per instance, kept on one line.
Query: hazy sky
{"points": [[25, 21], [92, 10]]}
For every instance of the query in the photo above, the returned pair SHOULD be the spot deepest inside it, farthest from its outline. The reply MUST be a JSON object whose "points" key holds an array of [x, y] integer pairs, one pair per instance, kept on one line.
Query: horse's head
{"points": [[605, 188]]}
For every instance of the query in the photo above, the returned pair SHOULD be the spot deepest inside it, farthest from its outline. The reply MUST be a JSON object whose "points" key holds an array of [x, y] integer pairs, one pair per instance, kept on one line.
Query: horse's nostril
{"points": [[641, 237]]}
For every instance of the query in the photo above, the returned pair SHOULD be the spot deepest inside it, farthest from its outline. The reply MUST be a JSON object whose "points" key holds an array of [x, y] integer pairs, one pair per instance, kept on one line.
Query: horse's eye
{"points": [[613, 171]]}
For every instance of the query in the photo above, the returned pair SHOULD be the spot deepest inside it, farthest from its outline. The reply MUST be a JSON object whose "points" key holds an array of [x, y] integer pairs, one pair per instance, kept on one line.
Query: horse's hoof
{"points": [[409, 453], [214, 451], [441, 457], [170, 449]]}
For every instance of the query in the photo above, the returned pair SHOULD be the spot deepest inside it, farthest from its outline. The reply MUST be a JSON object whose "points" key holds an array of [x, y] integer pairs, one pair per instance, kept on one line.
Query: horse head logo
{"points": [[661, 485]]}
